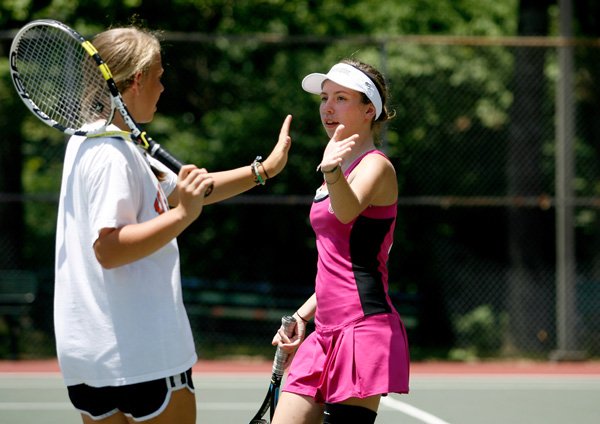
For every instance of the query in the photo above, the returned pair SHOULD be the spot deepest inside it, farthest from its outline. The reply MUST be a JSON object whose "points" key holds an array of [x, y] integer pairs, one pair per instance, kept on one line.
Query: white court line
{"points": [[63, 406], [411, 411], [37, 406], [222, 406]]}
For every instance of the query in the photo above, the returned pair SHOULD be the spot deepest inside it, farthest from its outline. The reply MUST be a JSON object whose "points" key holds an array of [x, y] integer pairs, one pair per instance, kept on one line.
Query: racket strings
{"points": [[62, 79]]}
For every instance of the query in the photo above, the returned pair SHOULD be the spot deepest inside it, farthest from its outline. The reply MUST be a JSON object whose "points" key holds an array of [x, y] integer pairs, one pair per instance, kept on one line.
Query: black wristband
{"points": [[301, 317], [331, 171]]}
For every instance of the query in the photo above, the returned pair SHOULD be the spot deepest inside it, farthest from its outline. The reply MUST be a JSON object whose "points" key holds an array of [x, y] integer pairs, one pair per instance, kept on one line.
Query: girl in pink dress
{"points": [[359, 350]]}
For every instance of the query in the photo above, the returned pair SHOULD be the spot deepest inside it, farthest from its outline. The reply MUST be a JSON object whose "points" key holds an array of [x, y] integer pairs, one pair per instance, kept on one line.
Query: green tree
{"points": [[227, 94], [530, 245]]}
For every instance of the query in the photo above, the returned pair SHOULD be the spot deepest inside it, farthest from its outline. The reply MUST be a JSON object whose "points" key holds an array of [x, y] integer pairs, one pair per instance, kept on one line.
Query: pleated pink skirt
{"points": [[364, 358]]}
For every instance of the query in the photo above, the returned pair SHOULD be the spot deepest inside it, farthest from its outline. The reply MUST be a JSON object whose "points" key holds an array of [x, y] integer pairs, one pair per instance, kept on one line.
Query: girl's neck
{"points": [[357, 152], [120, 122]]}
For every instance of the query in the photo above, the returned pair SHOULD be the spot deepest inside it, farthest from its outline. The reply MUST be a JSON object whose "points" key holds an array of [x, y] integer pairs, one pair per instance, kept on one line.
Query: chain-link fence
{"points": [[495, 143]]}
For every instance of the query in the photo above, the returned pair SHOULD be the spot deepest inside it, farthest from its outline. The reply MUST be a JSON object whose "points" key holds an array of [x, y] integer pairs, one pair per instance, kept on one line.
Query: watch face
{"points": [[321, 193]]}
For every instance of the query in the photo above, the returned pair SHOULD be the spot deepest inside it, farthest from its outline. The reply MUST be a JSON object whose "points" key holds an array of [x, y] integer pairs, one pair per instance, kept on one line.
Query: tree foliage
{"points": [[233, 71]]}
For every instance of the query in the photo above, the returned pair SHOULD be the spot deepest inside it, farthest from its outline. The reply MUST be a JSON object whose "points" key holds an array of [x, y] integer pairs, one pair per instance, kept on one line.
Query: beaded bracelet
{"points": [[258, 179]]}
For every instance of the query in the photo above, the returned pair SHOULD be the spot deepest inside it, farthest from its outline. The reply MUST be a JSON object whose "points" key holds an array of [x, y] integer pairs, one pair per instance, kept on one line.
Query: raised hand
{"points": [[277, 160], [336, 150]]}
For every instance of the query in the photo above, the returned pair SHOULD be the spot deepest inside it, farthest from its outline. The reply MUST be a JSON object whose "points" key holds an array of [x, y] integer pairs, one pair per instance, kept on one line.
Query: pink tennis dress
{"points": [[359, 347]]}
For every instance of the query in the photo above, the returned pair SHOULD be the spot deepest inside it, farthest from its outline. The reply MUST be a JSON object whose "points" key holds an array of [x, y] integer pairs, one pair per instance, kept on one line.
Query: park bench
{"points": [[18, 290], [254, 309]]}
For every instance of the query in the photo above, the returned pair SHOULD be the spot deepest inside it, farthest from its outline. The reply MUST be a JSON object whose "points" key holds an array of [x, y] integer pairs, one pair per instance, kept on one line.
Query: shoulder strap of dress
{"points": [[358, 159]]}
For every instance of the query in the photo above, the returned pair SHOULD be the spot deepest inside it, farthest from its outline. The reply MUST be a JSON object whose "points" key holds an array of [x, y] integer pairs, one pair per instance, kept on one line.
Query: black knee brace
{"points": [[337, 413]]}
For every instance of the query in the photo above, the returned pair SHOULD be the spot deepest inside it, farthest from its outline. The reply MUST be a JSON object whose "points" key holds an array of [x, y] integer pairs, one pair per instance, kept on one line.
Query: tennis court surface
{"points": [[441, 393]]}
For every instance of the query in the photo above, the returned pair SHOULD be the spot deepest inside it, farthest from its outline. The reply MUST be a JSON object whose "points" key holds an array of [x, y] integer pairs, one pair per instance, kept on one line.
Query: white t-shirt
{"points": [[124, 325]]}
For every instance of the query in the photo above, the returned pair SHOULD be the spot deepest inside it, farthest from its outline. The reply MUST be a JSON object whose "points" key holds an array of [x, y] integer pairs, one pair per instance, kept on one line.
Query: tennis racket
{"points": [[288, 323], [64, 82]]}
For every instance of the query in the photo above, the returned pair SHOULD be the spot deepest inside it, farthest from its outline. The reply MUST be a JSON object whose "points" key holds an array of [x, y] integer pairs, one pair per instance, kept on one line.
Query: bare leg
{"points": [[118, 418], [297, 409], [181, 409], [371, 403]]}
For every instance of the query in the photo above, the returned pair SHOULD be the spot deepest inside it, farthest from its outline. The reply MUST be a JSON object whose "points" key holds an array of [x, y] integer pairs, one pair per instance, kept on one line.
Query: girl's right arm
{"points": [[290, 344]]}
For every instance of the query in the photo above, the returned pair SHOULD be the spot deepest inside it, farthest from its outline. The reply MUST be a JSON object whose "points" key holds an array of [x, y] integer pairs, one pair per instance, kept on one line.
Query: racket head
{"points": [[58, 80]]}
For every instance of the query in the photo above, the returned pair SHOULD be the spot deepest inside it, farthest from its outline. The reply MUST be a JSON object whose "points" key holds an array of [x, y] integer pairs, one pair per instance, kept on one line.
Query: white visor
{"points": [[349, 77]]}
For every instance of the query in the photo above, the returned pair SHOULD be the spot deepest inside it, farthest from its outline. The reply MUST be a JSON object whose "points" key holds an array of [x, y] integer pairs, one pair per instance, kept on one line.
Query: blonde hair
{"points": [[127, 52]]}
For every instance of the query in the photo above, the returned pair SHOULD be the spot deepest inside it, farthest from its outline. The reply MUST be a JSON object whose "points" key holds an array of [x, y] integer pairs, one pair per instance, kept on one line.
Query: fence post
{"points": [[566, 311]]}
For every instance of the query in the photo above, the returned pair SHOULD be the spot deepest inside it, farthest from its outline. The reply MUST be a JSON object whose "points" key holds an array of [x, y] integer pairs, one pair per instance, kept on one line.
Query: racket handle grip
{"points": [[168, 159], [154, 150], [288, 323], [165, 157]]}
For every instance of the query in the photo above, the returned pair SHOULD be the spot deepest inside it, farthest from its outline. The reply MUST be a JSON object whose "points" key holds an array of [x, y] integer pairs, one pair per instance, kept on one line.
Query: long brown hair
{"points": [[380, 83]]}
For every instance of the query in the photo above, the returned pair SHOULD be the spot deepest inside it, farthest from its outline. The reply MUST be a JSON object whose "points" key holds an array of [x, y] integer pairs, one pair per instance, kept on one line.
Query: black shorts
{"points": [[141, 401]]}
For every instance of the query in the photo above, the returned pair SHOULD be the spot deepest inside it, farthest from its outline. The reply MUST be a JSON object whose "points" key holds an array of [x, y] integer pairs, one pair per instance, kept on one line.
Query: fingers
{"points": [[285, 141], [277, 159], [195, 180], [285, 127], [343, 148], [337, 136], [338, 133], [285, 339], [206, 186], [336, 150], [187, 170], [282, 339], [201, 184], [194, 183], [204, 182]]}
